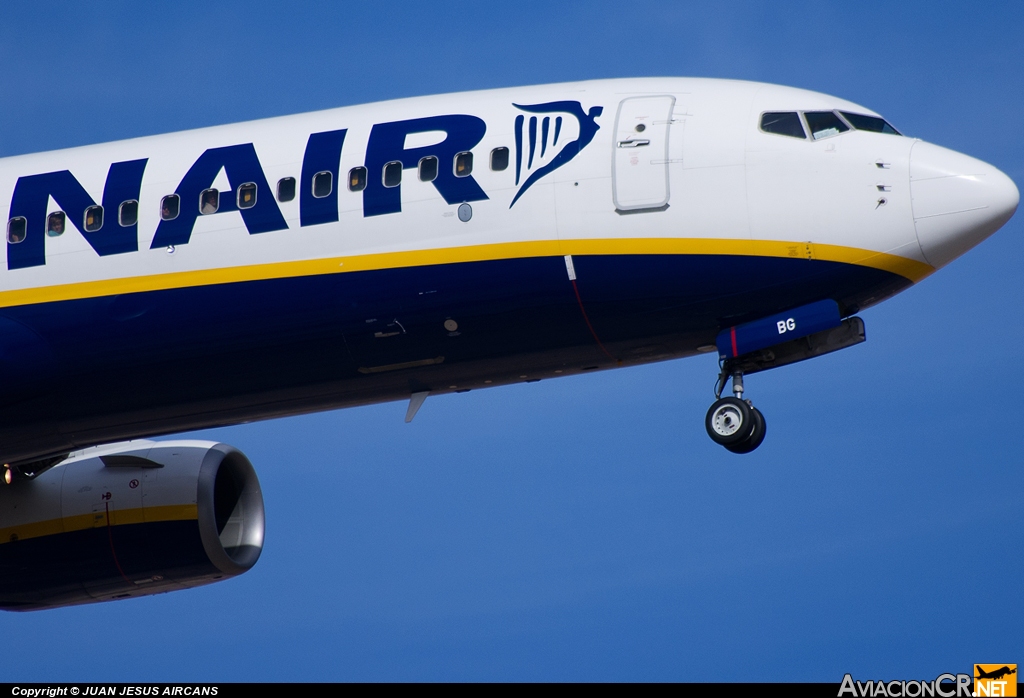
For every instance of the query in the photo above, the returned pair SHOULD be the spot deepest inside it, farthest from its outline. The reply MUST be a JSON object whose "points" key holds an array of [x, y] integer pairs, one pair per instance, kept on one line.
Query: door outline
{"points": [[637, 144]]}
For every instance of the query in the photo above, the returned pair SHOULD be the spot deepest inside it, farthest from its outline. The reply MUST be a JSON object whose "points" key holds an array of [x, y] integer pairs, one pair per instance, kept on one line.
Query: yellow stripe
{"points": [[38, 529], [908, 268], [31, 530]]}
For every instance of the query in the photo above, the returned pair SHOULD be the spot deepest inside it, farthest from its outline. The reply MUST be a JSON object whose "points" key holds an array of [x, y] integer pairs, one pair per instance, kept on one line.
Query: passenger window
{"points": [[323, 184], [55, 223], [784, 123], [428, 169], [863, 122], [247, 195], [16, 228], [357, 179], [209, 201], [499, 159], [463, 164], [824, 124], [128, 213], [93, 219], [286, 189], [392, 174], [169, 207]]}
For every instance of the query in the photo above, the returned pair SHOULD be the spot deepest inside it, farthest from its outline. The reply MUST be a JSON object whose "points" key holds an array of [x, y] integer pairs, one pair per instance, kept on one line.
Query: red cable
{"points": [[110, 537], [587, 320]]}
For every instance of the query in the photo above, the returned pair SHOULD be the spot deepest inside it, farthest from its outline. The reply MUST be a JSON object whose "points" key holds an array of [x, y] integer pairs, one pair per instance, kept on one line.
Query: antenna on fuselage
{"points": [[416, 401]]}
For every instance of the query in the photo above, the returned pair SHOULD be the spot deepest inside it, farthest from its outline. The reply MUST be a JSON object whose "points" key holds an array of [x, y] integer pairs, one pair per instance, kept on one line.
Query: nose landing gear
{"points": [[732, 421]]}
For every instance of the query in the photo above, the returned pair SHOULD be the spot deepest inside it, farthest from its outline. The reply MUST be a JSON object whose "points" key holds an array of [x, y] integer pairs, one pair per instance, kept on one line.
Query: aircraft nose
{"points": [[958, 201]]}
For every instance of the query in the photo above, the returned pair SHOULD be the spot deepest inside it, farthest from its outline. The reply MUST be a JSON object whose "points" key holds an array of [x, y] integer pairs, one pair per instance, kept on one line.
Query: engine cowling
{"points": [[128, 520]]}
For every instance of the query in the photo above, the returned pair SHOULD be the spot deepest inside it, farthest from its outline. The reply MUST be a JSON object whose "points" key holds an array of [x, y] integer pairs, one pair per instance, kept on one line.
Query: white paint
{"points": [[424, 139], [640, 152], [734, 182]]}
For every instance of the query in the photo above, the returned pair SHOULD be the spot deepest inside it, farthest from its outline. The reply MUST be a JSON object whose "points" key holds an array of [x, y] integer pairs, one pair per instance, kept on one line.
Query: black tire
{"points": [[756, 436], [729, 421]]}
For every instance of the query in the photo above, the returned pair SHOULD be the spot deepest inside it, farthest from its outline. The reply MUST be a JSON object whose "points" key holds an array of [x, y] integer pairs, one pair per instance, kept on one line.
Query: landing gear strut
{"points": [[732, 421]]}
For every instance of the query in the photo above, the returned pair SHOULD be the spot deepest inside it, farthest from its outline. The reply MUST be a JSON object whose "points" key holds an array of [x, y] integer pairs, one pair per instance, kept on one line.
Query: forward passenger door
{"points": [[640, 177]]}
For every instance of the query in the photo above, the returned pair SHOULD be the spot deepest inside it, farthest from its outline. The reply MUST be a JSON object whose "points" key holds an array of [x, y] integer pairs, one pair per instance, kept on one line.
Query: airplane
{"points": [[995, 674], [419, 247]]}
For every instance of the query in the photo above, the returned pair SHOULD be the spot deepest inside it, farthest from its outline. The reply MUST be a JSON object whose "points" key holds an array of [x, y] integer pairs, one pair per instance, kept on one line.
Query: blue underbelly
{"points": [[80, 372]]}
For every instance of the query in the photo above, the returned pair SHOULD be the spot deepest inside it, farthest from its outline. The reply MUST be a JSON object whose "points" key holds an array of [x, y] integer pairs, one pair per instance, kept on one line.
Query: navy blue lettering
{"points": [[387, 144], [241, 165], [323, 154], [32, 194]]}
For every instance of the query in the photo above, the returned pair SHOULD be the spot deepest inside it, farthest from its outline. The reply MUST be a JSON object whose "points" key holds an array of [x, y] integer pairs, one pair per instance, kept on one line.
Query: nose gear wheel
{"points": [[729, 421], [733, 422], [757, 434]]}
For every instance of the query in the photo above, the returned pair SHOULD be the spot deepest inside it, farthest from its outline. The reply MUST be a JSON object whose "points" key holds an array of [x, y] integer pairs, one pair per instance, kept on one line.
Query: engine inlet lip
{"points": [[244, 557]]}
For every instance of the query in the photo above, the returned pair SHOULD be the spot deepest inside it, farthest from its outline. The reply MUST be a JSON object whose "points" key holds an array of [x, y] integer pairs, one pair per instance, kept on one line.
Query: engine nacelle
{"points": [[126, 520]]}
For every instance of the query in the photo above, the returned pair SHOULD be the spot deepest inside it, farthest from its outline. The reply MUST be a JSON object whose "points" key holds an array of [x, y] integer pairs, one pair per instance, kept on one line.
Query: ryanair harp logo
{"points": [[553, 134], [995, 680]]}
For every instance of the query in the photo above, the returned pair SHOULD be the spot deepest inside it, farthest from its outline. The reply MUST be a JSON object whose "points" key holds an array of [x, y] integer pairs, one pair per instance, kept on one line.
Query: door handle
{"points": [[634, 143]]}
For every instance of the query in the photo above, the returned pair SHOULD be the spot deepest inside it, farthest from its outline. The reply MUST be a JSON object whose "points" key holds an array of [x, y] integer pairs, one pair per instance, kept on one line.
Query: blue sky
{"points": [[587, 528]]}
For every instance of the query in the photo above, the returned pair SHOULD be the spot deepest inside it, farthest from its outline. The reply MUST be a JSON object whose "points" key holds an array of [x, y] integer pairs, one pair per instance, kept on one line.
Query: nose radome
{"points": [[958, 201]]}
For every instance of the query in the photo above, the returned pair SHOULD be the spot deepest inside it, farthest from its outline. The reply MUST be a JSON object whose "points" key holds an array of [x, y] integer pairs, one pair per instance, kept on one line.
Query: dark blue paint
{"points": [[323, 154], [167, 361], [775, 329], [519, 146], [533, 141], [77, 566], [544, 127], [32, 194], [241, 165], [387, 144], [588, 129]]}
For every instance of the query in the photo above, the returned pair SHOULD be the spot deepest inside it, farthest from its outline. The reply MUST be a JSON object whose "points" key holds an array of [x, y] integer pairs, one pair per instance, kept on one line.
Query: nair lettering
{"points": [[241, 165]]}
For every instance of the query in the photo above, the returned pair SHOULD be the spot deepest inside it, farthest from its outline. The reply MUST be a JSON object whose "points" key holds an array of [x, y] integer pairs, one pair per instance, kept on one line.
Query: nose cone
{"points": [[957, 201]]}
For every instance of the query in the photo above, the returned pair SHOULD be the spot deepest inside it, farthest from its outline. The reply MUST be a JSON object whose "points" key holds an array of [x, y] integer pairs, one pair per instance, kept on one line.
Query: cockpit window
{"points": [[863, 122], [784, 123], [824, 124]]}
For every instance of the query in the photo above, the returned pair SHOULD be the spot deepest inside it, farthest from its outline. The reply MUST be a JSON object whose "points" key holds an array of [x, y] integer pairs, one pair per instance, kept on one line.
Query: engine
{"points": [[128, 520]]}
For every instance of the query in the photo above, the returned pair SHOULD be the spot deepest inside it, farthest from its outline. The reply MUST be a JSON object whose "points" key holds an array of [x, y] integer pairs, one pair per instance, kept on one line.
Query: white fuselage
{"points": [[617, 172]]}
